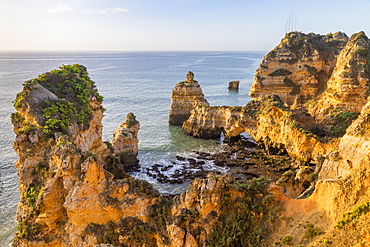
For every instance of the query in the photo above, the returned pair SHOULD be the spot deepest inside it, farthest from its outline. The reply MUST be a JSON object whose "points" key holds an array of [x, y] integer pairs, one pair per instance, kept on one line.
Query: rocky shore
{"points": [[303, 180]]}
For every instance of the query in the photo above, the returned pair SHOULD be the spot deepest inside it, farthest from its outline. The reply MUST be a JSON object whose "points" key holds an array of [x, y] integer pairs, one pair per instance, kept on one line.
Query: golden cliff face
{"points": [[68, 178], [339, 207], [348, 86], [185, 97], [298, 68]]}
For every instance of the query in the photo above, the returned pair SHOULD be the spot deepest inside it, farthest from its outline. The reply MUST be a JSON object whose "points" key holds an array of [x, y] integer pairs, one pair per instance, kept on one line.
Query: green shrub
{"points": [[341, 121], [311, 70], [31, 195], [26, 230], [131, 119], [289, 82], [296, 90], [312, 231], [362, 52], [351, 217], [19, 99], [287, 240]]}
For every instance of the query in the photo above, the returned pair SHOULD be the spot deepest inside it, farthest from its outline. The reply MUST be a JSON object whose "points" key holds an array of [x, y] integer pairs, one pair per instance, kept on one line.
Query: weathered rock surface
{"points": [[330, 90], [234, 85], [348, 86], [267, 121], [73, 192], [299, 67], [125, 142], [185, 97]]}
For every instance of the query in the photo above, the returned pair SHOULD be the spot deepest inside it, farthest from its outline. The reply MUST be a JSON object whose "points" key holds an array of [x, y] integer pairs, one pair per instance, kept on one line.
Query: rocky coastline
{"points": [[303, 180]]}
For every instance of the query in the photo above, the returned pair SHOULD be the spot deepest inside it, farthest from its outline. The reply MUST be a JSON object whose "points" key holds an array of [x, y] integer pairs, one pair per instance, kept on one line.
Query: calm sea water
{"points": [[138, 82]]}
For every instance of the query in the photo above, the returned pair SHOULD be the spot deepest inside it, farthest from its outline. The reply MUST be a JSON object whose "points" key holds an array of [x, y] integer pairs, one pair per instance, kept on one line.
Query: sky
{"points": [[134, 25]]}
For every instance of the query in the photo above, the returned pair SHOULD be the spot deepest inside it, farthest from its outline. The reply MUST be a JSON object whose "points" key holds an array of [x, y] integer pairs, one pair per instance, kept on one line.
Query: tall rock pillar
{"points": [[125, 142], [185, 97]]}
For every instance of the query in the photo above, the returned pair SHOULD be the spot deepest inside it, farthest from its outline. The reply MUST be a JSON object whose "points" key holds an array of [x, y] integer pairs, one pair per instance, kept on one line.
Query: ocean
{"points": [[138, 82]]}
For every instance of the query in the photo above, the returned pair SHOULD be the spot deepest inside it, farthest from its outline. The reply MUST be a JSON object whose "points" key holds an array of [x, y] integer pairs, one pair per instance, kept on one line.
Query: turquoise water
{"points": [[138, 82]]}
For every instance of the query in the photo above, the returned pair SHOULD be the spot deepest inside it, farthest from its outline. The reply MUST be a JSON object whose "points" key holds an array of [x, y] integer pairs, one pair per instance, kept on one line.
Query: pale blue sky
{"points": [[170, 24]]}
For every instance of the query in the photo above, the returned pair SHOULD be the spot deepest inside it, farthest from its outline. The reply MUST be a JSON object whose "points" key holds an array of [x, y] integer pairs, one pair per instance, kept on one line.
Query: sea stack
{"points": [[234, 85], [185, 97], [125, 142]]}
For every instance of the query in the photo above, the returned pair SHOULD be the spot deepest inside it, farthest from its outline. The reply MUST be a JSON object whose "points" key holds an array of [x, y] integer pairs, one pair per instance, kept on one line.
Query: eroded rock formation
{"points": [[125, 142], [299, 67], [276, 127], [234, 85], [185, 97], [348, 86]]}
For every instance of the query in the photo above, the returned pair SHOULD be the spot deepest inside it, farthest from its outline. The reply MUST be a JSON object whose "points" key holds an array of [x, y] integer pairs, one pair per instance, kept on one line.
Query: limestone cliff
{"points": [[299, 67], [348, 86], [68, 178], [338, 211], [185, 96]]}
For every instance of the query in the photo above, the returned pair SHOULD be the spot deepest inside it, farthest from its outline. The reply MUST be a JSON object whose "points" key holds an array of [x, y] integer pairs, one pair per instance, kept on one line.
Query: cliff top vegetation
{"points": [[74, 90]]}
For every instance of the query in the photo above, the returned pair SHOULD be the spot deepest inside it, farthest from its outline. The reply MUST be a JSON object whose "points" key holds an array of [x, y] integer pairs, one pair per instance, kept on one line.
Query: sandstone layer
{"points": [[185, 97], [318, 113]]}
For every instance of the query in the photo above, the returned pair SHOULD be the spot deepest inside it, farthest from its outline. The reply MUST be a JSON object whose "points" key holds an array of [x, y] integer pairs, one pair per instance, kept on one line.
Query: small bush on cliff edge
{"points": [[352, 217]]}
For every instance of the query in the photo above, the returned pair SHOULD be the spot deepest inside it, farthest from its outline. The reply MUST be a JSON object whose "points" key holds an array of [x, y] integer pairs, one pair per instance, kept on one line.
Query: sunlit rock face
{"points": [[185, 97], [348, 86], [268, 121], [299, 67]]}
